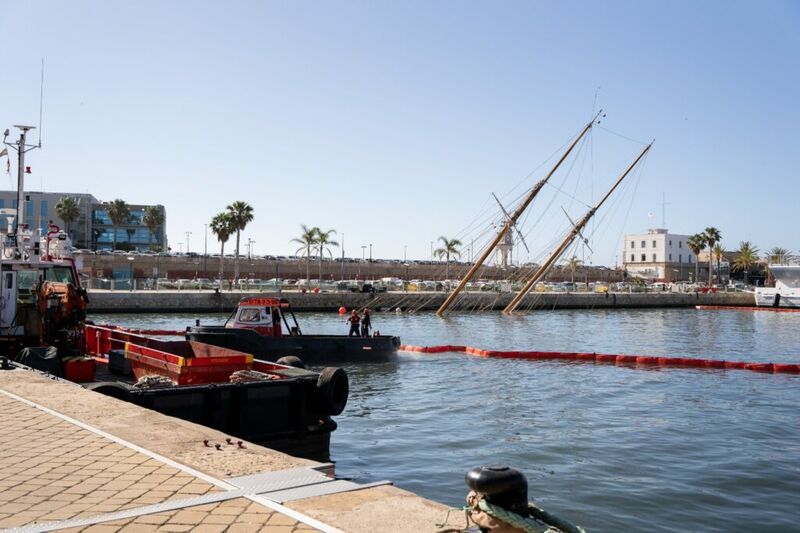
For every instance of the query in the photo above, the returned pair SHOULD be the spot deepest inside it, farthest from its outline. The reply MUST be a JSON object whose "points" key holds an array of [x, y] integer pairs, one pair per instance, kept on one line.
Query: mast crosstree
{"points": [[576, 230], [511, 221]]}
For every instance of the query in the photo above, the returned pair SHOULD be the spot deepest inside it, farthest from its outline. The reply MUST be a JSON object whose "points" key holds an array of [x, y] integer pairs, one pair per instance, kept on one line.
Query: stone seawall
{"points": [[207, 301]]}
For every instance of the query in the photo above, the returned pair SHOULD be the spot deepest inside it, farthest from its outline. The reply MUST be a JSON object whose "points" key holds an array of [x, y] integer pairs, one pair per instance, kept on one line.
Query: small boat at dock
{"points": [[261, 326]]}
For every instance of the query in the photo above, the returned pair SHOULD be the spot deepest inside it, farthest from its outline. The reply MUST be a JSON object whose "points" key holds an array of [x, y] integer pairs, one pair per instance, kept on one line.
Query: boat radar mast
{"points": [[22, 148], [511, 220]]}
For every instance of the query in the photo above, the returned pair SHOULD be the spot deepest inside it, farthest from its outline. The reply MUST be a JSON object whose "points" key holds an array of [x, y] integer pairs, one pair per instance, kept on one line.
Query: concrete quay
{"points": [[74, 460], [208, 301]]}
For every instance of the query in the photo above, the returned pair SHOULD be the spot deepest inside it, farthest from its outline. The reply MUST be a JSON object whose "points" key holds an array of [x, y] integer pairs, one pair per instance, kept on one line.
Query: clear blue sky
{"points": [[392, 122]]}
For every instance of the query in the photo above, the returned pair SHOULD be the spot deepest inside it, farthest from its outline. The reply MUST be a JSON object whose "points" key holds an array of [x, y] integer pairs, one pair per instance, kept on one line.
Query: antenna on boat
{"points": [[41, 100], [22, 148]]}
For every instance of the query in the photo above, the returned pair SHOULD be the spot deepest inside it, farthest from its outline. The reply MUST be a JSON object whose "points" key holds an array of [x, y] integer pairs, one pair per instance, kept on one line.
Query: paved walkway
{"points": [[75, 460], [59, 474]]}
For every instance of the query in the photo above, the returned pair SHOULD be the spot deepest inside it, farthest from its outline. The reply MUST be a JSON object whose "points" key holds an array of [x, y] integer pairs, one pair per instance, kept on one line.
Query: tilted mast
{"points": [[511, 221], [512, 306]]}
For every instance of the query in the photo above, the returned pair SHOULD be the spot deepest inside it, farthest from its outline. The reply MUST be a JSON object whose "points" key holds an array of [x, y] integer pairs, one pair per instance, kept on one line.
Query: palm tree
{"points": [[222, 227], [449, 248], [719, 252], [778, 255], [120, 213], [153, 218], [323, 243], [572, 264], [746, 257], [696, 243], [67, 208], [307, 239], [241, 215], [712, 237]]}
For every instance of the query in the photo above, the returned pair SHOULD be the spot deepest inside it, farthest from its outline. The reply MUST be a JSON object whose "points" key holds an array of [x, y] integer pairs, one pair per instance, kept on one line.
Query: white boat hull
{"points": [[769, 297]]}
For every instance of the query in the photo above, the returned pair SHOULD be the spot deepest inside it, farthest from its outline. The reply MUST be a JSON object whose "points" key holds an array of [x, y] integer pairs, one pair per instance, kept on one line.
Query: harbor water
{"points": [[608, 447]]}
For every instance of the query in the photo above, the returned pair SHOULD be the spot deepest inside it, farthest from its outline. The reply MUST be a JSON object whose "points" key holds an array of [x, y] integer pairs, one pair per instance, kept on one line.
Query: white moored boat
{"points": [[786, 292]]}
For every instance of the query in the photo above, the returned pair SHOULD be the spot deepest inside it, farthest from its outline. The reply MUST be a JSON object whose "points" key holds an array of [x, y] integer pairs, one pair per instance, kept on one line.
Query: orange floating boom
{"points": [[615, 359]]}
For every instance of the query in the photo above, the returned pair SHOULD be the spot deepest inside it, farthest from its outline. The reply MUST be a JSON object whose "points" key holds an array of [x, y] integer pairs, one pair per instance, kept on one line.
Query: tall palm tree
{"points": [[323, 243], [306, 240], [449, 248], [241, 215], [746, 257], [120, 213], [696, 243], [712, 237], [572, 264], [153, 218], [222, 226], [69, 211], [718, 252]]}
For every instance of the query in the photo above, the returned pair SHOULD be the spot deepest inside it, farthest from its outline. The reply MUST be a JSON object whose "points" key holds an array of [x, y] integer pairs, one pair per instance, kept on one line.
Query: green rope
{"points": [[529, 525], [465, 509]]}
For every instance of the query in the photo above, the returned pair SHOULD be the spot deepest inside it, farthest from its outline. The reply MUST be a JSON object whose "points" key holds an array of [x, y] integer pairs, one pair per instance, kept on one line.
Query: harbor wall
{"points": [[210, 301]]}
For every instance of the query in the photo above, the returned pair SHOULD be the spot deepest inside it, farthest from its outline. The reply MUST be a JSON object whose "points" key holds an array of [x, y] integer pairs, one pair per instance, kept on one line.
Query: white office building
{"points": [[658, 256]]}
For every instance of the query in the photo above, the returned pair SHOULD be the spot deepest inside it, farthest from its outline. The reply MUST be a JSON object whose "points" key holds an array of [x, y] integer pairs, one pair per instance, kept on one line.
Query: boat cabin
{"points": [[264, 315]]}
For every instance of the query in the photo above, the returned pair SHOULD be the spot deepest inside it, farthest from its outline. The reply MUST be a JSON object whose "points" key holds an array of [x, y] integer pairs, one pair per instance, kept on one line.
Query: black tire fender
{"points": [[113, 389], [333, 388], [291, 360]]}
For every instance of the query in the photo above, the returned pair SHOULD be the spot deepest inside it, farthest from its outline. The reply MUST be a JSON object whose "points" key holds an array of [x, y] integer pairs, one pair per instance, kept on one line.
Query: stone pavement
{"points": [[80, 461], [52, 471]]}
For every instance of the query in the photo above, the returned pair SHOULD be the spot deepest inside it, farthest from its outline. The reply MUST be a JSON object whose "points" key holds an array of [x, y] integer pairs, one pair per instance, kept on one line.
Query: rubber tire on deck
{"points": [[113, 389], [333, 388], [291, 360]]}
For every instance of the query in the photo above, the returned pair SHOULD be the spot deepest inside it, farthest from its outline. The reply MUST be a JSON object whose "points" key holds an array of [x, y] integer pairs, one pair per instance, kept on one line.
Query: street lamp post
{"points": [[130, 275], [180, 248], [405, 253], [370, 253], [187, 241], [205, 251], [363, 251], [250, 243]]}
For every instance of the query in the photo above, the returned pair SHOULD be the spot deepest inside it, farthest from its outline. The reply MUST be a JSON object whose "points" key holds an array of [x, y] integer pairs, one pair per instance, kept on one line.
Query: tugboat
{"points": [[260, 326], [43, 328]]}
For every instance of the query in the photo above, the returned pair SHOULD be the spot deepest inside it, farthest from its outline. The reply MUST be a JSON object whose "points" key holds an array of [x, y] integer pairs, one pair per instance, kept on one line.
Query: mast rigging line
{"points": [[556, 254], [517, 213]]}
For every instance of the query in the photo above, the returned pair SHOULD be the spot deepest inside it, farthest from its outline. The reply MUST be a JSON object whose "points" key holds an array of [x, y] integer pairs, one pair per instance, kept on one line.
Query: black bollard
{"points": [[500, 485]]}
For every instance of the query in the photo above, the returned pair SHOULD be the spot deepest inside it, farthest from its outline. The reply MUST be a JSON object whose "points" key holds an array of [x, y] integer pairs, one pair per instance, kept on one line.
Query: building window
{"points": [[633, 245], [654, 244], [680, 258], [633, 258], [670, 244], [670, 257], [644, 244], [43, 208], [689, 258], [680, 244], [2, 203], [644, 257], [654, 258]]}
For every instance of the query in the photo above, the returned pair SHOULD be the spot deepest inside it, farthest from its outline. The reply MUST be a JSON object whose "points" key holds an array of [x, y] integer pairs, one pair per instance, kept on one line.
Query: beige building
{"points": [[659, 256]]}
